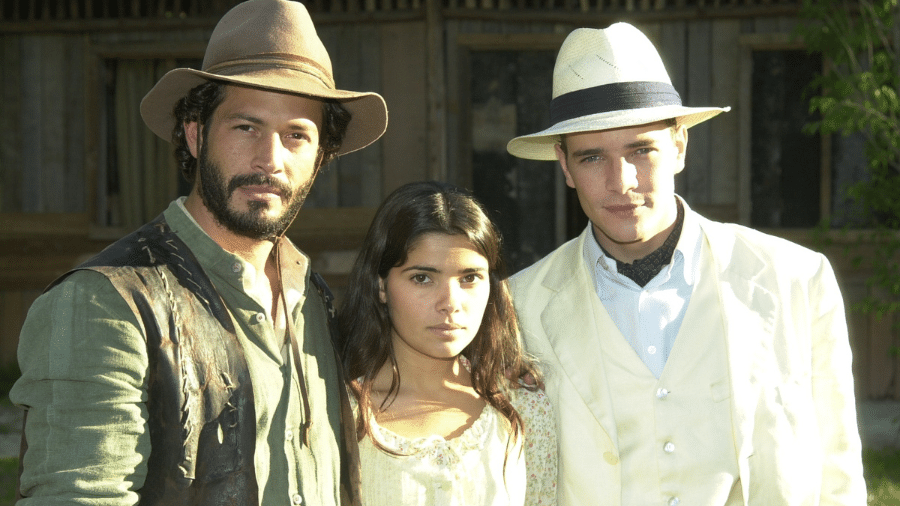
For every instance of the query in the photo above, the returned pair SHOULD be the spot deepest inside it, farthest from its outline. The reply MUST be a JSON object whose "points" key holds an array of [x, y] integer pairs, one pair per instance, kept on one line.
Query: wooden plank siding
{"points": [[110, 14], [42, 110], [725, 86], [698, 92], [416, 53], [11, 152], [405, 144]]}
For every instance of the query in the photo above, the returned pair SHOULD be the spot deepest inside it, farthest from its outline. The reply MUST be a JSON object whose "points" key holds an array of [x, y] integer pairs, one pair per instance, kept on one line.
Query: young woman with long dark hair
{"points": [[429, 338]]}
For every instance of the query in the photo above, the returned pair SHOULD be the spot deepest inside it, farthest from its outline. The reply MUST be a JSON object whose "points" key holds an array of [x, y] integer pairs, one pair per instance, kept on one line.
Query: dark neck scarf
{"points": [[642, 270]]}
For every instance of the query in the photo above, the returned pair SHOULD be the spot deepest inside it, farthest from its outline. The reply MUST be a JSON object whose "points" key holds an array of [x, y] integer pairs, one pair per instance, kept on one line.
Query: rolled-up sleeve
{"points": [[84, 365]]}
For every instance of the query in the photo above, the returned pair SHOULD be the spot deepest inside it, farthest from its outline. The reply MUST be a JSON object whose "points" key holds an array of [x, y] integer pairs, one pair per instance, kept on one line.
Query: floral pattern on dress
{"points": [[541, 460]]}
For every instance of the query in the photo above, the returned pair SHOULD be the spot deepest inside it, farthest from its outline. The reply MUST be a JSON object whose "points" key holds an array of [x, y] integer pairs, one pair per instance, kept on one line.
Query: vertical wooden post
{"points": [[94, 67], [437, 90]]}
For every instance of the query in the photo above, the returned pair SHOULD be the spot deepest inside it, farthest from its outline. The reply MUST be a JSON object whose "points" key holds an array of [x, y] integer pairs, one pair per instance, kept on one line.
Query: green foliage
{"points": [[858, 90], [857, 93]]}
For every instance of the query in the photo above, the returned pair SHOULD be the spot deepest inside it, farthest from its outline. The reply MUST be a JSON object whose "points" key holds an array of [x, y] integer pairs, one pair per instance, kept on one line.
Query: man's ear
{"points": [[563, 163], [191, 135], [681, 140]]}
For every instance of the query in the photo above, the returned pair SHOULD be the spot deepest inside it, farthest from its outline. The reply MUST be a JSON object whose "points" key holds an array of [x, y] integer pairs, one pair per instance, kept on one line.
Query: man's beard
{"points": [[216, 195]]}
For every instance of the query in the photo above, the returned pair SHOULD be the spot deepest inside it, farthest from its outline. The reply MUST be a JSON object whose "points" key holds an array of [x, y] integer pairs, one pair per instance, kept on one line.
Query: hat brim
{"points": [[368, 110], [540, 145]]}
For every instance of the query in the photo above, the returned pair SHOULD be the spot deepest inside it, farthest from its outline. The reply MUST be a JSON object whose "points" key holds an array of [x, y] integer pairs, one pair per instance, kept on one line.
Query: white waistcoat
{"points": [[675, 440]]}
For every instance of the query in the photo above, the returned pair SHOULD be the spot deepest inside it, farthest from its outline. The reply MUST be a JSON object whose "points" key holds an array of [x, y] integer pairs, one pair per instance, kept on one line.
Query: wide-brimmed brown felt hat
{"points": [[604, 79], [272, 45]]}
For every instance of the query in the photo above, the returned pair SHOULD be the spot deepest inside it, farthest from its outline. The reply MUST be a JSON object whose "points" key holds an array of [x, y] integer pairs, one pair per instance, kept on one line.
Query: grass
{"points": [[9, 471], [882, 469]]}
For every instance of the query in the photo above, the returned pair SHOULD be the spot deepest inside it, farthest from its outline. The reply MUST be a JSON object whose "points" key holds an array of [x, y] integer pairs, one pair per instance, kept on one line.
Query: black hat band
{"points": [[612, 97]]}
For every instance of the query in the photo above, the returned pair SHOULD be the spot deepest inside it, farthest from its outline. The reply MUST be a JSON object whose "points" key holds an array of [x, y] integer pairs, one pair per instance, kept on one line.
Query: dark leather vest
{"points": [[202, 420], [200, 401]]}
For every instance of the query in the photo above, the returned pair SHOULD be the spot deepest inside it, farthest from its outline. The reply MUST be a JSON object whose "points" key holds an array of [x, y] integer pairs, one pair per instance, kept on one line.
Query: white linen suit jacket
{"points": [[793, 409]]}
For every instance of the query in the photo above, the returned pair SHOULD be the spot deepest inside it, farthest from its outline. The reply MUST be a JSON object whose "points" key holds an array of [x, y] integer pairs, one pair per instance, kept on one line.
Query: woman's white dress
{"points": [[467, 470]]}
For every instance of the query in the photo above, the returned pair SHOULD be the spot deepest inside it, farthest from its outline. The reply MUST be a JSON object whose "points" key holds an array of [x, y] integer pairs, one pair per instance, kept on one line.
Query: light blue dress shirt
{"points": [[650, 317]]}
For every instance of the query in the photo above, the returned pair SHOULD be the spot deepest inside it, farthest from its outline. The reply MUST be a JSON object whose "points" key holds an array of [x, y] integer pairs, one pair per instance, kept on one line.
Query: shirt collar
{"points": [[684, 259], [231, 268]]}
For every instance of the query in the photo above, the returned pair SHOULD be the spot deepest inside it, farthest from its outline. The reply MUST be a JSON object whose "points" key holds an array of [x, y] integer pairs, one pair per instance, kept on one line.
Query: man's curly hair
{"points": [[201, 102]]}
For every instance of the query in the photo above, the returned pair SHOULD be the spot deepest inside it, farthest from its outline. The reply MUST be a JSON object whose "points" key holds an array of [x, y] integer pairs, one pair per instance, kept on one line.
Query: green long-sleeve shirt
{"points": [[84, 380]]}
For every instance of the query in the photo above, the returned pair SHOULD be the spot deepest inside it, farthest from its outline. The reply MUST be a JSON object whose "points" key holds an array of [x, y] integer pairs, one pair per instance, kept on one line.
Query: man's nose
{"points": [[268, 154], [622, 176]]}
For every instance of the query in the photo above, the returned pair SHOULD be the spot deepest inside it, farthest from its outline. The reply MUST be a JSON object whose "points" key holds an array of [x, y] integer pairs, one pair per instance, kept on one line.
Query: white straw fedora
{"points": [[269, 44], [606, 79]]}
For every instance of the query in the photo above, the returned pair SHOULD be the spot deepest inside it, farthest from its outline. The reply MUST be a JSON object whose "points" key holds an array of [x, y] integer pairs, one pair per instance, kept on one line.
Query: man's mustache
{"points": [[258, 179]]}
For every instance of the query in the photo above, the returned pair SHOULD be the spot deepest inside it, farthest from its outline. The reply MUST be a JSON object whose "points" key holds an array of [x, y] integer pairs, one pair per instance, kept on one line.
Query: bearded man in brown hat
{"points": [[689, 362], [191, 362]]}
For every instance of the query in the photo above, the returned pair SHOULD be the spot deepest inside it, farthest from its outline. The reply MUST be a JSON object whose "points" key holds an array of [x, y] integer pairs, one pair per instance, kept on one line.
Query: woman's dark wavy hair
{"points": [[365, 325], [201, 102]]}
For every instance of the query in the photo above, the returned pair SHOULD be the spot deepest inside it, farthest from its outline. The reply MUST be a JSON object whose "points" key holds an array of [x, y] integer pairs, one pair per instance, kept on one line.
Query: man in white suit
{"points": [[690, 362]]}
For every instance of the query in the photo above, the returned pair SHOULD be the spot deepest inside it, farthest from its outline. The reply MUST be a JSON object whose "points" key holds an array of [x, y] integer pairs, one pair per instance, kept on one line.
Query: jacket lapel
{"points": [[750, 312], [570, 323]]}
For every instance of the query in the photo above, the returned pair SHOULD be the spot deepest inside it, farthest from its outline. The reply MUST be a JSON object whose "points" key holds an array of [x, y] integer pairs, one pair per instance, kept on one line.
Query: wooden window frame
{"points": [[97, 55], [458, 80], [770, 42]]}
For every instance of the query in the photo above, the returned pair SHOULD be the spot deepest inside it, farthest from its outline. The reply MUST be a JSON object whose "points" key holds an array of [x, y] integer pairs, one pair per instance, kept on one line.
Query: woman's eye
{"points": [[420, 278], [472, 278]]}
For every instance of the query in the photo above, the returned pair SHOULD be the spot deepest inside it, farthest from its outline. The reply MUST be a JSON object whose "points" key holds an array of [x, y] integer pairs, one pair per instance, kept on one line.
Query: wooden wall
{"points": [[42, 114], [50, 155]]}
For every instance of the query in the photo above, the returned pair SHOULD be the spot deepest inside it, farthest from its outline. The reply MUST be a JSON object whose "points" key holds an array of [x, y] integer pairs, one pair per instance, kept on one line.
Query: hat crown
{"points": [[270, 45], [262, 32], [619, 54], [605, 79]]}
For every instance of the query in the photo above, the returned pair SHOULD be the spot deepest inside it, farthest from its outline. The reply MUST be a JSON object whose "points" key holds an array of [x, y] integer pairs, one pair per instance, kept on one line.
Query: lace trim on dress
{"points": [[436, 449]]}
